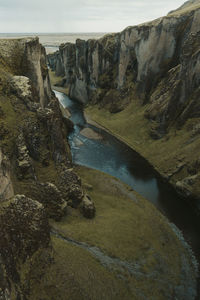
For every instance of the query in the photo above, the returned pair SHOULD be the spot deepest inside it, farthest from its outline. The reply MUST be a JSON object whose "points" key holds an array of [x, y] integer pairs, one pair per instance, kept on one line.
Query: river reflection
{"points": [[111, 156]]}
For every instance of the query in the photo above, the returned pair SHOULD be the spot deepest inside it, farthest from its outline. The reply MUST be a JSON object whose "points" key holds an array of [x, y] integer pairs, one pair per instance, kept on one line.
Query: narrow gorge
{"points": [[67, 229], [143, 85]]}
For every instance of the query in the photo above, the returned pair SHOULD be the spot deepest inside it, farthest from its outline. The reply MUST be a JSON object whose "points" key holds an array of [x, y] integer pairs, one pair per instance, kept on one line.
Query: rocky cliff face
{"points": [[34, 159], [155, 65], [139, 58]]}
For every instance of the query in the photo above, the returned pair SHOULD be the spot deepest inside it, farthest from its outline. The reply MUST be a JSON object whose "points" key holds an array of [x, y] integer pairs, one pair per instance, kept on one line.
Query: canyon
{"points": [[71, 232], [143, 85]]}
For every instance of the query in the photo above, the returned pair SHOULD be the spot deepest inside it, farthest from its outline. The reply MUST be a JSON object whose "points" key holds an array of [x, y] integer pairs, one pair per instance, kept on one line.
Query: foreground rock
{"points": [[33, 152], [87, 207], [24, 231]]}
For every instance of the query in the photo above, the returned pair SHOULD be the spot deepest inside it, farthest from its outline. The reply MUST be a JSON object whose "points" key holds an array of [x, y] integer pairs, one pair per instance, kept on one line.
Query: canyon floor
{"points": [[128, 242], [119, 254]]}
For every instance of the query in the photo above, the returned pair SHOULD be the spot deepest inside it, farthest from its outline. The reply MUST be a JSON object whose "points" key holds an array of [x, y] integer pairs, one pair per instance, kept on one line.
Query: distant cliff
{"points": [[142, 58], [155, 65]]}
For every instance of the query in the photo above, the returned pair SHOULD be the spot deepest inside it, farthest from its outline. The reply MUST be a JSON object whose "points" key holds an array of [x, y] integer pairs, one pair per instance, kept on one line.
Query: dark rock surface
{"points": [[24, 230], [33, 152], [87, 207]]}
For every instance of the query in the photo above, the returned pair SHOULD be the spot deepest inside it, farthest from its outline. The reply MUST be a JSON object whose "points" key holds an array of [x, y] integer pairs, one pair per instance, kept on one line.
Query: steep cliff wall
{"points": [[143, 85], [137, 58], [27, 57], [36, 177]]}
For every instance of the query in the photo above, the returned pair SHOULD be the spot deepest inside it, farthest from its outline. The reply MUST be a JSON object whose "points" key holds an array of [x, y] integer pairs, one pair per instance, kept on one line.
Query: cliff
{"points": [[143, 85], [37, 182]]}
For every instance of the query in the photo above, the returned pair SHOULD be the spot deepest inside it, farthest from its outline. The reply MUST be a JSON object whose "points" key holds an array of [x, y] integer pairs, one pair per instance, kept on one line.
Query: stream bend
{"points": [[104, 152]]}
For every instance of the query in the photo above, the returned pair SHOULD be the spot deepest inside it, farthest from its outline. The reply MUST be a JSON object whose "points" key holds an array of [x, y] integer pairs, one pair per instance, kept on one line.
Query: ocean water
{"points": [[51, 41]]}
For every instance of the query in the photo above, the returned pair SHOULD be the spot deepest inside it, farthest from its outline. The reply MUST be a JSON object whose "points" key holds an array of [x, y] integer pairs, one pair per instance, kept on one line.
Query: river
{"points": [[111, 156]]}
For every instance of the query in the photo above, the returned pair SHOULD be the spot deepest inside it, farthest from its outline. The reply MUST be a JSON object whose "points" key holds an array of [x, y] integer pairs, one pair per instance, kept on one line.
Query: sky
{"points": [[79, 15]]}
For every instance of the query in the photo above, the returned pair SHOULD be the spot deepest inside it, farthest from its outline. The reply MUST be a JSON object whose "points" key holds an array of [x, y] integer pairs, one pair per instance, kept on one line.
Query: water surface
{"points": [[111, 156]]}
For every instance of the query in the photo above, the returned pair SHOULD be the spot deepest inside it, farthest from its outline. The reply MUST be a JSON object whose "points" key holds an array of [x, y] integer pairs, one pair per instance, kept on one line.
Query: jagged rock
{"points": [[44, 114], [24, 230], [33, 134], [50, 197], [70, 186], [58, 130], [148, 61], [57, 64], [87, 207], [6, 187], [24, 165], [184, 187], [194, 167], [196, 130], [22, 86]]}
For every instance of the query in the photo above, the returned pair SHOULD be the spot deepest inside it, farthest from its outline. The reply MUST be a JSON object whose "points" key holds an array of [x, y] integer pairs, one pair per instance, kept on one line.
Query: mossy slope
{"points": [[130, 229]]}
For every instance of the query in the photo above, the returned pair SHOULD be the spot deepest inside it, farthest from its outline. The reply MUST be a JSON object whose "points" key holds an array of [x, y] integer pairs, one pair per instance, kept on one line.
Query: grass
{"points": [[74, 274], [131, 230], [131, 127], [55, 80]]}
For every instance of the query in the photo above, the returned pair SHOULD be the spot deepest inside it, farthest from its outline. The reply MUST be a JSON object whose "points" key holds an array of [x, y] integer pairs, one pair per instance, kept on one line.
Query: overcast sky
{"points": [[79, 15]]}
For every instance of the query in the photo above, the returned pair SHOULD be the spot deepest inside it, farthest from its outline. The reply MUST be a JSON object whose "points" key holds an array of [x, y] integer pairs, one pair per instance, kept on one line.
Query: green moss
{"points": [[132, 127], [55, 81], [46, 173], [74, 274], [8, 122]]}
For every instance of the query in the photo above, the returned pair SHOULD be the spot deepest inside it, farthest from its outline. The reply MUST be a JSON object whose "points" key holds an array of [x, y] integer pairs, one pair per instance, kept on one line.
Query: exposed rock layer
{"points": [[33, 154], [155, 64]]}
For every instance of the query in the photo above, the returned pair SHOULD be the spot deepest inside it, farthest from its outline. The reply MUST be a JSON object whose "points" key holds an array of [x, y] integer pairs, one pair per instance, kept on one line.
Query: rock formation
{"points": [[34, 153], [38, 185], [155, 65]]}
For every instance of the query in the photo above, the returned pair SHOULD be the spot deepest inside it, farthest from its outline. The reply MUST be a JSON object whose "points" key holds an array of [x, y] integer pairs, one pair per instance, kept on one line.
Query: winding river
{"points": [[108, 154]]}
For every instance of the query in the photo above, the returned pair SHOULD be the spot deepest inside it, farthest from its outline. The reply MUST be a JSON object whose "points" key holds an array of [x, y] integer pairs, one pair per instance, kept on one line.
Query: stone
{"points": [[51, 198], [70, 186], [24, 164], [87, 207], [24, 229], [148, 61], [6, 186]]}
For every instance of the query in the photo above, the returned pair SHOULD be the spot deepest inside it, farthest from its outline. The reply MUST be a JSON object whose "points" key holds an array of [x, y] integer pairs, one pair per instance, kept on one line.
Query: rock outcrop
{"points": [[6, 187], [33, 152], [154, 66], [24, 238], [142, 58]]}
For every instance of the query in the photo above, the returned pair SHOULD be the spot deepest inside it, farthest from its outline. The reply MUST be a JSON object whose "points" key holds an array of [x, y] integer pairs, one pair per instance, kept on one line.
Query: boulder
{"points": [[87, 207], [24, 229], [24, 164], [70, 186], [51, 198]]}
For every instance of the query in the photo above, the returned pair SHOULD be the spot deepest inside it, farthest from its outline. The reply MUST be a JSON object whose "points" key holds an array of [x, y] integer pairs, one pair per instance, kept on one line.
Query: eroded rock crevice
{"points": [[34, 155]]}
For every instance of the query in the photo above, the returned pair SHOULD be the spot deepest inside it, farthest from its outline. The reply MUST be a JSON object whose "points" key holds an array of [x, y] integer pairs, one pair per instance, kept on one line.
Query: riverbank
{"points": [[103, 162], [132, 236], [170, 157]]}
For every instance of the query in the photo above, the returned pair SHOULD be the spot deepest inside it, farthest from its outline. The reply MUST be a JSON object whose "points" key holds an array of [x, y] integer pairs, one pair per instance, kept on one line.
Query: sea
{"points": [[51, 41]]}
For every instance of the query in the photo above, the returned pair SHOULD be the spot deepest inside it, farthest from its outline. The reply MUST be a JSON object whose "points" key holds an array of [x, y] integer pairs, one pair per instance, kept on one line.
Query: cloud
{"points": [[79, 15]]}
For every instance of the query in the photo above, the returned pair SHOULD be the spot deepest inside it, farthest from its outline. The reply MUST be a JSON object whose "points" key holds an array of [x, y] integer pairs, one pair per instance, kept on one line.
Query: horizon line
{"points": [[43, 32]]}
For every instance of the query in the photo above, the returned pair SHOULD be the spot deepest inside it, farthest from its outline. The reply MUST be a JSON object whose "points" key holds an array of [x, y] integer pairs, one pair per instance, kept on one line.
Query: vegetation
{"points": [[56, 82], [127, 228], [133, 128]]}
